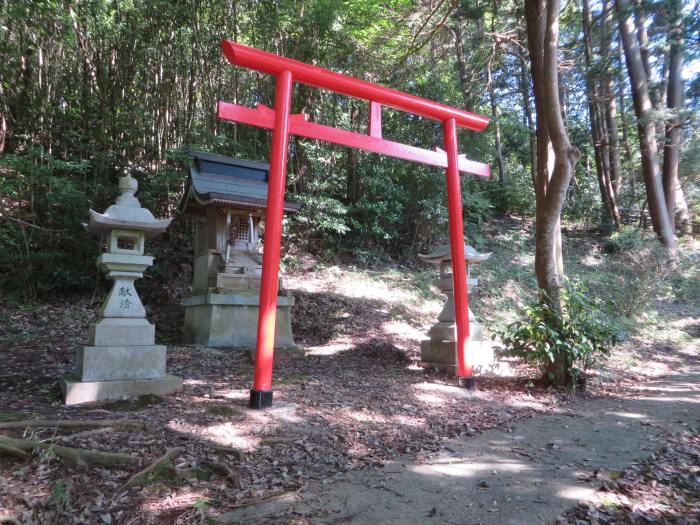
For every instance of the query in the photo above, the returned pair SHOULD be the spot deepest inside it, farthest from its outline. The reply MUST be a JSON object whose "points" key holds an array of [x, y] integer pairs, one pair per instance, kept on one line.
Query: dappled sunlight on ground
{"points": [[241, 395], [630, 415], [228, 434], [331, 348], [524, 259], [408, 421], [446, 391], [404, 331], [574, 493], [469, 469], [364, 416], [184, 498], [362, 285], [591, 260]]}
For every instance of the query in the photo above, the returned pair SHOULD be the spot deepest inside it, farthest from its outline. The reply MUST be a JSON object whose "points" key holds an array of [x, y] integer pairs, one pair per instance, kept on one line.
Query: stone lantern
{"points": [[121, 359], [227, 198], [440, 351]]}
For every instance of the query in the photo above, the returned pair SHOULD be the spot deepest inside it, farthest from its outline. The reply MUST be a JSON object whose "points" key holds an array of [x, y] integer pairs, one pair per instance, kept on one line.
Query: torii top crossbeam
{"points": [[283, 123]]}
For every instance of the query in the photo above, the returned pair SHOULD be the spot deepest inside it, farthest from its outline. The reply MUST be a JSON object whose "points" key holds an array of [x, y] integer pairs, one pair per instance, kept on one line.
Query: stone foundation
{"points": [[440, 351], [442, 356], [231, 320], [76, 391], [105, 371], [110, 363]]}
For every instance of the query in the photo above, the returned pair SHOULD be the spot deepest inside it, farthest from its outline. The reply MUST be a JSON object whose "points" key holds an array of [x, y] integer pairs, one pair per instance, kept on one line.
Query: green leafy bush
{"points": [[319, 219], [573, 339], [44, 244], [643, 269], [626, 239]]}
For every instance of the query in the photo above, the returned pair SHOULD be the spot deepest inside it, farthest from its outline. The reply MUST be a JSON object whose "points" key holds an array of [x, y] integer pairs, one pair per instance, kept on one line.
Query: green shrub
{"points": [[319, 219], [626, 239], [45, 248], [574, 338], [643, 268]]}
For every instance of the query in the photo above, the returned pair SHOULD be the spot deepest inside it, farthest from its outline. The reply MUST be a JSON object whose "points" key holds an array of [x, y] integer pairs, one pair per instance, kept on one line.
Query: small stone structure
{"points": [[121, 359], [440, 351], [228, 198]]}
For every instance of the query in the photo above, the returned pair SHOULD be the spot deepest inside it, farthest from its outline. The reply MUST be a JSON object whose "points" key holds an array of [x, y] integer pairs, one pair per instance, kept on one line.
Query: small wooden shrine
{"points": [[227, 198]]}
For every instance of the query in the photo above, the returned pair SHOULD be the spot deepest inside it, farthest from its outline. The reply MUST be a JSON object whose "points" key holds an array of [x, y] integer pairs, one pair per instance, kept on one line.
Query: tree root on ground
{"points": [[219, 468], [77, 456], [85, 433], [230, 451], [154, 469], [125, 424], [8, 450]]}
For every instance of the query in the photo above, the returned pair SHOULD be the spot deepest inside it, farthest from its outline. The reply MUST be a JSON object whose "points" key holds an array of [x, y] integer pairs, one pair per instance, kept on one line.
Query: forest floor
{"points": [[358, 400], [530, 471]]}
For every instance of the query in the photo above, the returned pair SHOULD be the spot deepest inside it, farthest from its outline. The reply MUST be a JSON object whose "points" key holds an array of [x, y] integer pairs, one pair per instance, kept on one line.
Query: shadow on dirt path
{"points": [[528, 473]]}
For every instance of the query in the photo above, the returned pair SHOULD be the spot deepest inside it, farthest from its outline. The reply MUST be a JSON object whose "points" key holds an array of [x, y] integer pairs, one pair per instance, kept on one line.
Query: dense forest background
{"points": [[92, 89]]}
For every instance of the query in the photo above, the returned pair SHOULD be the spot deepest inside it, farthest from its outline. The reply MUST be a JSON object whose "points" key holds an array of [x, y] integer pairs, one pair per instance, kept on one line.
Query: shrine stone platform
{"points": [[231, 320]]}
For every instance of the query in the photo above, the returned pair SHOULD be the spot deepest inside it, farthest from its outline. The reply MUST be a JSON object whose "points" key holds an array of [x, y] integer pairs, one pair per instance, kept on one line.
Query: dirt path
{"points": [[528, 473]]}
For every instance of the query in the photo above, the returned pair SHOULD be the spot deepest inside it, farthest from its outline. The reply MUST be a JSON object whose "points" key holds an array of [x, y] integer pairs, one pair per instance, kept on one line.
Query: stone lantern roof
{"points": [[127, 213], [216, 180], [442, 254]]}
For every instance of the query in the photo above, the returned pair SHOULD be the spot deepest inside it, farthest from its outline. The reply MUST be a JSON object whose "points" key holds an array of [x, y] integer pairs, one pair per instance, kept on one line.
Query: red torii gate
{"points": [[282, 123]]}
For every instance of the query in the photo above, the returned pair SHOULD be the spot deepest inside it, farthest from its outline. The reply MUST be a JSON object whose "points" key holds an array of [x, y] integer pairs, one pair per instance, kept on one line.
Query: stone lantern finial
{"points": [[128, 186]]}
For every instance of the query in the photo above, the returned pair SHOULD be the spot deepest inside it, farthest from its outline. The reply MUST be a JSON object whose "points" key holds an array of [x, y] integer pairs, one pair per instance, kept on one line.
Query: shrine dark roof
{"points": [[215, 180]]}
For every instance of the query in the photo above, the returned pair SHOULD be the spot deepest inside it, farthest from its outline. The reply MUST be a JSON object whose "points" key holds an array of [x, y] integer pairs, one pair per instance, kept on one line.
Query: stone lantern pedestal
{"points": [[440, 351], [121, 359]]}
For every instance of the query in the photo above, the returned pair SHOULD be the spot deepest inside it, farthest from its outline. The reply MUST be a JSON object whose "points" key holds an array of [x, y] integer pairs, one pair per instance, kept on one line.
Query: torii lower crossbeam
{"points": [[282, 123]]}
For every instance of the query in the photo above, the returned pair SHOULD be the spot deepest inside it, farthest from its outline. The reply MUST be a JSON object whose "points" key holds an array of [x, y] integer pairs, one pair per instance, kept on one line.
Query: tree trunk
{"points": [[632, 172], [610, 108], [643, 107], [352, 181], [599, 130], [552, 182], [525, 92], [497, 128], [640, 22], [675, 198], [535, 15], [462, 66], [495, 113]]}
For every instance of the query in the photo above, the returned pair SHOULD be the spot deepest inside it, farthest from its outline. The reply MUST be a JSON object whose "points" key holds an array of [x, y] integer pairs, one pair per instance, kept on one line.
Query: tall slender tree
{"points": [[673, 192], [645, 126], [556, 156], [610, 105], [596, 95]]}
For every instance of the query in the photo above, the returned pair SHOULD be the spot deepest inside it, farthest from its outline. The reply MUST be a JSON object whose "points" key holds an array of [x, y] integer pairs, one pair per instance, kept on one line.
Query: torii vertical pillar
{"points": [[459, 272], [261, 393]]}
